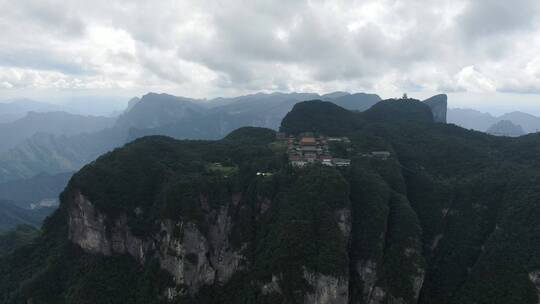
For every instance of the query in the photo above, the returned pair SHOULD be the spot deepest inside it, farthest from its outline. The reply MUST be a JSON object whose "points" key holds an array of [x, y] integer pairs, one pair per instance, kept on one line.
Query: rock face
{"points": [[195, 258], [367, 271], [199, 252], [535, 279], [93, 232], [372, 293], [192, 258], [326, 289], [439, 106]]}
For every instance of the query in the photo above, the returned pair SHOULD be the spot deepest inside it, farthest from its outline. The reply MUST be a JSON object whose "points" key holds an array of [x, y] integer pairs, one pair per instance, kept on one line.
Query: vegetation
{"points": [[456, 205], [12, 239]]}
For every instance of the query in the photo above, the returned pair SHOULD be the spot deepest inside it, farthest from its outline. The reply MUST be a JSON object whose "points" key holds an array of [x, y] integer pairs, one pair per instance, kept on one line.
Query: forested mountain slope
{"points": [[450, 217]]}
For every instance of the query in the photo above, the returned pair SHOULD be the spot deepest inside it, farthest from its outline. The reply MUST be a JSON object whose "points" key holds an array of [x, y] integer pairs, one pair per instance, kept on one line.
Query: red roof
{"points": [[307, 140]]}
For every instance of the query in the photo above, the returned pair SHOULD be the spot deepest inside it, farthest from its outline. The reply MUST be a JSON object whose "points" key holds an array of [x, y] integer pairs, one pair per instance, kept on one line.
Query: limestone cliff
{"points": [[535, 279], [192, 257], [326, 289], [439, 106]]}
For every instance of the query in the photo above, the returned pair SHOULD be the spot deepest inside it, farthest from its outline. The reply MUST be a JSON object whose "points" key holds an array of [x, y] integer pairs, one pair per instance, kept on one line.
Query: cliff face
{"points": [[326, 289], [439, 106], [535, 279], [192, 257], [199, 254]]}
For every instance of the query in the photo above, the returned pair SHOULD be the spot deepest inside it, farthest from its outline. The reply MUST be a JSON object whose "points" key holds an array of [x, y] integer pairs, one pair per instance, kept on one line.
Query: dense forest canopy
{"points": [[450, 217]]}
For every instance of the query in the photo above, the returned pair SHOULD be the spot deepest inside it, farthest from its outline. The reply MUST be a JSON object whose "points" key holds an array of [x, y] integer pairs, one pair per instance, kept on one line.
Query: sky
{"points": [[484, 54]]}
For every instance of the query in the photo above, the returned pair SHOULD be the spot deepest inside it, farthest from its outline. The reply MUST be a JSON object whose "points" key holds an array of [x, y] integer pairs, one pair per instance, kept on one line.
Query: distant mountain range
{"points": [[55, 123], [53, 152], [476, 120], [13, 109], [18, 108]]}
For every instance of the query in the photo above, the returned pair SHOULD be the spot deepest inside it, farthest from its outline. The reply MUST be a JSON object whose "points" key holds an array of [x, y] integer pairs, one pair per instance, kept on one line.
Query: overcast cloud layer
{"points": [[206, 48]]}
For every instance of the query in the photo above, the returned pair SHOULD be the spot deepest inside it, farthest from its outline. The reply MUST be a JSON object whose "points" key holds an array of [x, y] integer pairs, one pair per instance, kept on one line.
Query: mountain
{"points": [[55, 123], [189, 118], [108, 106], [154, 110], [529, 123], [400, 110], [259, 110], [50, 154], [506, 128], [476, 120], [447, 216], [471, 119], [131, 103], [12, 110]]}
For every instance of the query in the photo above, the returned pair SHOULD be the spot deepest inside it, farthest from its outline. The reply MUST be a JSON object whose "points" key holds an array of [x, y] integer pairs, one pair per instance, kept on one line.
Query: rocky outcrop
{"points": [[225, 259], [343, 219], [326, 289], [367, 271], [374, 291], [185, 256], [535, 279], [439, 107], [193, 258], [95, 233]]}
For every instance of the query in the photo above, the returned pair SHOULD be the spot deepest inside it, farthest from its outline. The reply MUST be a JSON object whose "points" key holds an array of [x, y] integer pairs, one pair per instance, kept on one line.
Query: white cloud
{"points": [[209, 47], [470, 79]]}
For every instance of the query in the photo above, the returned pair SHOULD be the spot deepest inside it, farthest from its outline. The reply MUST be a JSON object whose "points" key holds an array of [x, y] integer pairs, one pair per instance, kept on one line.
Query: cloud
{"points": [[472, 80], [486, 18], [211, 47]]}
